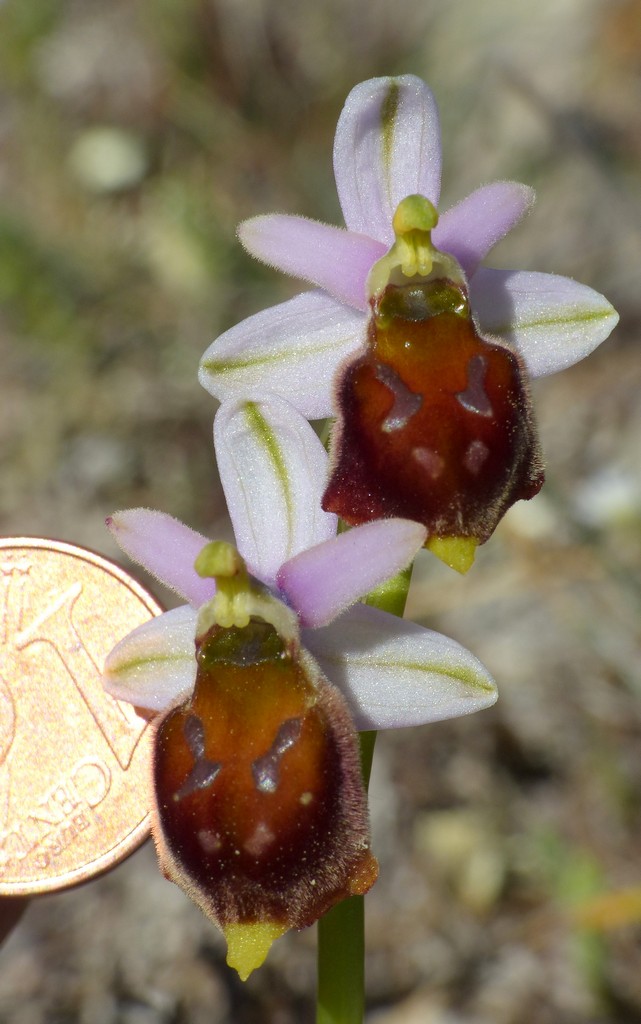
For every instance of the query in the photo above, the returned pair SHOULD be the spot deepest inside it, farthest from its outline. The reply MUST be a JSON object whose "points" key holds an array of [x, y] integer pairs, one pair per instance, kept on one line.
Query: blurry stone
{"points": [[420, 1008], [511, 984], [175, 257], [610, 497], [106, 159], [93, 461], [534, 520], [99, 61], [466, 851], [139, 1015]]}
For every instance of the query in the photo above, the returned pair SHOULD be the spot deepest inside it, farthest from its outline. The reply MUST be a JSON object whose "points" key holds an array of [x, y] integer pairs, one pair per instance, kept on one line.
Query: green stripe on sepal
{"points": [[232, 364], [389, 113], [268, 441]]}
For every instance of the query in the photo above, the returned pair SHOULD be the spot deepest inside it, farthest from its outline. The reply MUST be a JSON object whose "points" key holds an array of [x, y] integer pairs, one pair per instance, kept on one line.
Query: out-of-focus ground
{"points": [[134, 137]]}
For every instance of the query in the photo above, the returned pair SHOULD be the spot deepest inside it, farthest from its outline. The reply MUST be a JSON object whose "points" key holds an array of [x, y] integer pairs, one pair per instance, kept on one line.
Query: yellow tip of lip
{"points": [[457, 552], [249, 944]]}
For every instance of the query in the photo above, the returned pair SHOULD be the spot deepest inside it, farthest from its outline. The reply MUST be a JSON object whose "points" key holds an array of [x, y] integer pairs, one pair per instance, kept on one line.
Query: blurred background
{"points": [[134, 136]]}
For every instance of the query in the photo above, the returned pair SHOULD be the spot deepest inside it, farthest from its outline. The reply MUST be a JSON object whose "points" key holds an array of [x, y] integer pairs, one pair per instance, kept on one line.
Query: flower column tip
{"points": [[414, 213], [219, 558]]}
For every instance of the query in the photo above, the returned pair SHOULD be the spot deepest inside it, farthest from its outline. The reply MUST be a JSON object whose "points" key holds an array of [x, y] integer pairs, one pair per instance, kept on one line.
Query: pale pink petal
{"points": [[274, 470], [331, 258], [469, 230], [292, 350], [395, 673], [154, 667], [166, 548], [553, 321], [387, 146], [322, 582]]}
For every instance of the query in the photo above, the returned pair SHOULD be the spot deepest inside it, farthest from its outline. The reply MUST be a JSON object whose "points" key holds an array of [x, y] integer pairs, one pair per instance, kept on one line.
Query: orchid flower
{"points": [[283, 602], [387, 162]]}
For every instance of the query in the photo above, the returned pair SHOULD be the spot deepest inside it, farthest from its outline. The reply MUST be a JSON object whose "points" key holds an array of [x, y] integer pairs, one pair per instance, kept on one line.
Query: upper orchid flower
{"points": [[255, 745], [387, 163]]}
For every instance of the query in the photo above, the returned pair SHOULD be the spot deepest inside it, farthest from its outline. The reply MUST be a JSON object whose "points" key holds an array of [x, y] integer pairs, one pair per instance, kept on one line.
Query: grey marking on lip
{"points": [[204, 771], [265, 769], [406, 402], [475, 398]]}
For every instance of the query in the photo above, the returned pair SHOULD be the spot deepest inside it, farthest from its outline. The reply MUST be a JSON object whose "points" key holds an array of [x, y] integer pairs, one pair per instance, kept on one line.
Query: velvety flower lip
{"points": [[387, 147], [389, 672]]}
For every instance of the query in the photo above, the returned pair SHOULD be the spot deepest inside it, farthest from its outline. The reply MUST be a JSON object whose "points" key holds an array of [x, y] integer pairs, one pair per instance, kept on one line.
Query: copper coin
{"points": [[74, 763]]}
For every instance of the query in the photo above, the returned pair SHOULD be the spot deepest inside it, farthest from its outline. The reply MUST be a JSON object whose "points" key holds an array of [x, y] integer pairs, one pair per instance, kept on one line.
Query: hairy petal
{"points": [[395, 673], [166, 548], [273, 470], [154, 667], [387, 146], [335, 260], [471, 228], [553, 321], [323, 581], [292, 350]]}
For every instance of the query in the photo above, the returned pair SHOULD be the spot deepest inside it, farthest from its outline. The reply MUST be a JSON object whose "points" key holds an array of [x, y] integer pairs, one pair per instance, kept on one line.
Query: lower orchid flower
{"points": [[421, 353], [262, 679]]}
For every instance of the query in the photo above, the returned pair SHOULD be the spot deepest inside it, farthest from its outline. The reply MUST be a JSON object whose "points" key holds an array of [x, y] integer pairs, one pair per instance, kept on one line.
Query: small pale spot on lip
{"points": [[430, 461], [260, 839], [210, 841], [475, 456]]}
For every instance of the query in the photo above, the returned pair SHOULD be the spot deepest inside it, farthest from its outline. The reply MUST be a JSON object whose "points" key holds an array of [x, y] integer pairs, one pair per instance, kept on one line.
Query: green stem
{"points": [[341, 964], [341, 932], [341, 944]]}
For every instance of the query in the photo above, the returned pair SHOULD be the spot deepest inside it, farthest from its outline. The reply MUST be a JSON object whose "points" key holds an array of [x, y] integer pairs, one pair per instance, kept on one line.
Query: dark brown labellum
{"points": [[434, 421], [261, 810]]}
